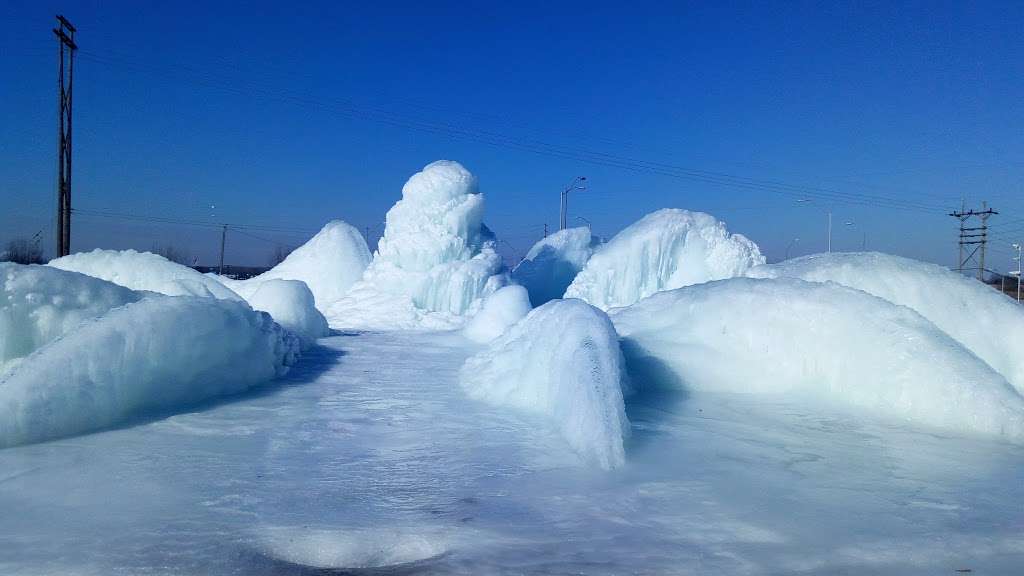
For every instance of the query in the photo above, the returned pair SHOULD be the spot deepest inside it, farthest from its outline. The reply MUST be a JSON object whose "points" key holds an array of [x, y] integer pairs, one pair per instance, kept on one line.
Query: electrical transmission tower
{"points": [[65, 75], [976, 236]]}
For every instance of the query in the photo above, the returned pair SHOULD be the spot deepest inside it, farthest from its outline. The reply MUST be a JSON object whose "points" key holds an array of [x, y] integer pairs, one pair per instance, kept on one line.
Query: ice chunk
{"points": [[39, 304], [562, 361], [290, 303], [818, 341], [499, 311], [353, 549], [553, 262], [666, 249], [329, 263], [157, 354], [435, 261], [144, 271], [983, 320]]}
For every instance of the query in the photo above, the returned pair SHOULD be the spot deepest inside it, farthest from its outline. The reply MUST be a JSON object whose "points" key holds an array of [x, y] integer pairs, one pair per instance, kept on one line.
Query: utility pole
{"points": [[976, 236], [576, 184], [1017, 272], [65, 33], [545, 229], [223, 239], [829, 231]]}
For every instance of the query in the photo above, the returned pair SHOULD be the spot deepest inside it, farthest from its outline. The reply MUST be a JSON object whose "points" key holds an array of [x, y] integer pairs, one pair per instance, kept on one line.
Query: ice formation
{"points": [[499, 311], [666, 249], [983, 320], [144, 271], [820, 341], [156, 354], [550, 266], [290, 303], [39, 304], [435, 261], [329, 263], [562, 361]]}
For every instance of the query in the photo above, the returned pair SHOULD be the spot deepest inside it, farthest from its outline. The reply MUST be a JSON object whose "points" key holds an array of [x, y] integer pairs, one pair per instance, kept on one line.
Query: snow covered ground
{"points": [[369, 454]]}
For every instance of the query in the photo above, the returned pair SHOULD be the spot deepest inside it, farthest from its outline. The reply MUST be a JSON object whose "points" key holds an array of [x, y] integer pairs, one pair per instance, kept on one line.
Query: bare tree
{"points": [[22, 251], [172, 253], [280, 253]]}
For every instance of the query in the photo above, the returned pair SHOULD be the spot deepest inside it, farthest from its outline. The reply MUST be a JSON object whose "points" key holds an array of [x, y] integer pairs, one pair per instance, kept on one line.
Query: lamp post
{"points": [[576, 184], [828, 243], [585, 221]]}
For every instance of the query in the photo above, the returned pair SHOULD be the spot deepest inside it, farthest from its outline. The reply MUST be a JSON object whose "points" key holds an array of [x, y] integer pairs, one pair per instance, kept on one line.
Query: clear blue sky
{"points": [[288, 114]]}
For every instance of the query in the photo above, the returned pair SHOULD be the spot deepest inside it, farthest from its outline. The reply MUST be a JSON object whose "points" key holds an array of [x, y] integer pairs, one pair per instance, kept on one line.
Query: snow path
{"points": [[369, 455]]}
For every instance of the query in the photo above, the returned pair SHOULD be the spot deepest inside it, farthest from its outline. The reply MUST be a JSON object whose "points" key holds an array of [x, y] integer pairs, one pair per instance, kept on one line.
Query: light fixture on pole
{"points": [[576, 184], [585, 221]]}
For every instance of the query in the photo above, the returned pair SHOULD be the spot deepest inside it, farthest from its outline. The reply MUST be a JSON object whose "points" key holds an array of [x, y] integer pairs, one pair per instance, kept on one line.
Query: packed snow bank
{"points": [[499, 311], [562, 361], [553, 262], [156, 354], [144, 271], [39, 304], [435, 261], [290, 303], [816, 340], [353, 549], [329, 263], [985, 321], [666, 249]]}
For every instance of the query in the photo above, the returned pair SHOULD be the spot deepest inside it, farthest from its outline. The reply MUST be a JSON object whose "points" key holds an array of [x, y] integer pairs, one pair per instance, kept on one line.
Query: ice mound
{"points": [[329, 263], [561, 361], [666, 249], [499, 311], [817, 341], [153, 355], [39, 304], [983, 320], [353, 549], [290, 303], [144, 271], [435, 261], [553, 262]]}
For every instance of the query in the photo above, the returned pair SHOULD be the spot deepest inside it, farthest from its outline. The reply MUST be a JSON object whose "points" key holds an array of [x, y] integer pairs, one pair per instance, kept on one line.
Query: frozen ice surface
{"points": [[435, 261], [985, 321], [552, 263], [562, 361], [500, 310], [291, 304], [358, 461], [160, 353], [39, 304], [666, 249], [329, 263], [144, 271], [819, 341]]}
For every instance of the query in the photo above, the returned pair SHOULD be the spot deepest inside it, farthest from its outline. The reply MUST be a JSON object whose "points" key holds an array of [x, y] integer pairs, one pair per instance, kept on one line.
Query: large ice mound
{"points": [[553, 262], [435, 261], [39, 304], [144, 271], [816, 341], [666, 249], [499, 311], [561, 361], [156, 354], [290, 304], [985, 321], [329, 263]]}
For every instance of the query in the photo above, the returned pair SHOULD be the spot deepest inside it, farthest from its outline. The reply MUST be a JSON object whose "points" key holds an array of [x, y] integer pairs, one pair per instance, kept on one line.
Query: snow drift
{"points": [[39, 304], [156, 354], [561, 361], [329, 263], [290, 303], [553, 262], [819, 341], [666, 249], [144, 271], [435, 261], [983, 320], [499, 311]]}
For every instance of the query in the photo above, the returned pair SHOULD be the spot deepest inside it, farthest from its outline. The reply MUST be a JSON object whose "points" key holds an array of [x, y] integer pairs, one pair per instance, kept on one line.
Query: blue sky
{"points": [[282, 116]]}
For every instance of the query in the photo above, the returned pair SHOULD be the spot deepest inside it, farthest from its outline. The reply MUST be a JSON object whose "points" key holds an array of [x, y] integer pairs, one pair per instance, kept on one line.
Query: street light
{"points": [[1016, 273], [576, 184], [791, 242], [585, 221], [829, 212]]}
